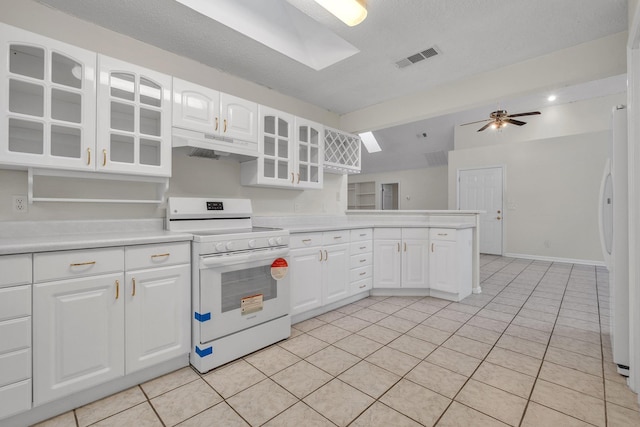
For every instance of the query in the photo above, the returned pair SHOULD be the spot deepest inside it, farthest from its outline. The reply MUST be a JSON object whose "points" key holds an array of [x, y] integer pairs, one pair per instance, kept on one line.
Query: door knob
{"points": [[499, 218], [498, 210]]}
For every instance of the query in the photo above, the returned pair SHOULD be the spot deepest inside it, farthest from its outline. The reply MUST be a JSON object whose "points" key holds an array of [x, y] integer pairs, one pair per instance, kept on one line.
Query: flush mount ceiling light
{"points": [[370, 143], [279, 26], [351, 12], [551, 98]]}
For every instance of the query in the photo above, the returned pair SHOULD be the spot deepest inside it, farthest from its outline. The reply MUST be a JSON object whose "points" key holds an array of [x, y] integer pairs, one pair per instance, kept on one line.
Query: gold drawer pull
{"points": [[363, 273], [306, 240], [443, 234], [160, 255], [216, 124], [337, 237], [363, 247], [104, 157], [363, 260], [133, 293], [362, 286], [78, 264], [88, 156], [432, 247], [362, 235], [225, 125], [117, 289]]}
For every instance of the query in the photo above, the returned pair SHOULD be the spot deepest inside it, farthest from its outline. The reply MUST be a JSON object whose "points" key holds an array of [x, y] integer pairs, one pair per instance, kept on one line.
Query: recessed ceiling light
{"points": [[551, 98], [370, 143], [351, 12]]}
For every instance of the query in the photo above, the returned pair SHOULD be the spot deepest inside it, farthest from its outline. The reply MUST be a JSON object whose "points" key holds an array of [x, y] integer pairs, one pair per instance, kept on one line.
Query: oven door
{"points": [[238, 291]]}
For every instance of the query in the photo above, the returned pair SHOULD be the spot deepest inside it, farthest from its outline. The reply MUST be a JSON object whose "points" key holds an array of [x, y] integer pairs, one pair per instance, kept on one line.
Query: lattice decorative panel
{"points": [[341, 151]]}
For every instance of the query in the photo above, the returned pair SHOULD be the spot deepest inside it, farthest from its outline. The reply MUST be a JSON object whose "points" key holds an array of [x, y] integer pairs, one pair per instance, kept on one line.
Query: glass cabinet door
{"points": [[276, 152], [133, 119], [49, 110], [309, 144]]}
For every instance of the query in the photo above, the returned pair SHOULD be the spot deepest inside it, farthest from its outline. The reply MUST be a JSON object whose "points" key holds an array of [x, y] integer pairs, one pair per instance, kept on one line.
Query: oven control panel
{"points": [[222, 244], [215, 206]]}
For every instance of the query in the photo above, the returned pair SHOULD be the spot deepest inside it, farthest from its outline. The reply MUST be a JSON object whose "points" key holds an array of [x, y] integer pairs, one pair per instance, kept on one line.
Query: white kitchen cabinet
{"points": [[342, 151], [361, 260], [15, 334], [214, 113], [401, 258], [290, 153], [78, 321], [133, 119], [48, 105], [157, 303], [319, 268], [309, 154], [450, 263], [94, 321]]}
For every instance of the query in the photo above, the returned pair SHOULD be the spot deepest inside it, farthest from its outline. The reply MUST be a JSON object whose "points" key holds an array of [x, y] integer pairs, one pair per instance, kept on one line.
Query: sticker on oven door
{"points": [[251, 304], [279, 268]]}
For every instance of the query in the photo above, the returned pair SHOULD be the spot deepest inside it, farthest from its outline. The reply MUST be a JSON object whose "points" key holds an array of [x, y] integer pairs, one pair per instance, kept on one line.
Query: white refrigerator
{"points": [[614, 229]]}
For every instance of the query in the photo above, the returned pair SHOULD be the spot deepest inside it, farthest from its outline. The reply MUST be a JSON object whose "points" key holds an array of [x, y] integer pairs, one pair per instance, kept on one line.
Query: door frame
{"points": [[503, 167]]}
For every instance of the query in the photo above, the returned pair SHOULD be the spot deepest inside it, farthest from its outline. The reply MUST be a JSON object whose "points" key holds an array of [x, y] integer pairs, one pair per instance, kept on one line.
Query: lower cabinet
{"points": [[401, 258], [93, 321], [450, 262], [361, 260], [15, 334], [319, 269]]}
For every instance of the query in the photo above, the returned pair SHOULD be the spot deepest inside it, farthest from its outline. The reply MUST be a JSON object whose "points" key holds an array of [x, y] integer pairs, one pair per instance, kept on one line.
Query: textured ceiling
{"points": [[473, 36]]}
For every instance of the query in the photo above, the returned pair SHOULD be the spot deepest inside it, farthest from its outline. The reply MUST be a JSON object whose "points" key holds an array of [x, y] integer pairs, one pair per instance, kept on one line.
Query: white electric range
{"points": [[240, 281]]}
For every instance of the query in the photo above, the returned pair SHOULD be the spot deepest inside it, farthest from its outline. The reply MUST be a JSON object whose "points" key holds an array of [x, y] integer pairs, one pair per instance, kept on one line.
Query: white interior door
{"points": [[481, 189]]}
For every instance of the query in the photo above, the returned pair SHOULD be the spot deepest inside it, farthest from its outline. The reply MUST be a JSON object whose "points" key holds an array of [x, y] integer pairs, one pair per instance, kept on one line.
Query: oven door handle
{"points": [[253, 256]]}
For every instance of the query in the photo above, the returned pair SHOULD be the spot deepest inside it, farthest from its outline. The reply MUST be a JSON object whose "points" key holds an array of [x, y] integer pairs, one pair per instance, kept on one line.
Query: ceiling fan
{"points": [[500, 118]]}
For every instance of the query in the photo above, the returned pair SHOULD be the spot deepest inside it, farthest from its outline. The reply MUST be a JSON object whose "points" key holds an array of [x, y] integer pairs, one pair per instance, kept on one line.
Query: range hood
{"points": [[211, 146]]}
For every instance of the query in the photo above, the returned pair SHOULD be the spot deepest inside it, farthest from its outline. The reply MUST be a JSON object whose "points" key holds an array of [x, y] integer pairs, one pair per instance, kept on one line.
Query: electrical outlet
{"points": [[20, 204]]}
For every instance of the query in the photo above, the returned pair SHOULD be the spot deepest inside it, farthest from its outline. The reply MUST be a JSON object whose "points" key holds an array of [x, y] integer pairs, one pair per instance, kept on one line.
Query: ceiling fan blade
{"points": [[530, 113], [484, 127], [479, 121], [514, 122]]}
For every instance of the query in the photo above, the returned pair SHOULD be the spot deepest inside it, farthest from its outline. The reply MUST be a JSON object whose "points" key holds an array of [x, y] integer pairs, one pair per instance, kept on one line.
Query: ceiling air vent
{"points": [[437, 158], [417, 57]]}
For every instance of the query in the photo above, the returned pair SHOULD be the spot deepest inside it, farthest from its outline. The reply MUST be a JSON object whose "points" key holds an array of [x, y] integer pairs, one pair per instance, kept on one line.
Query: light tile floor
{"points": [[532, 350]]}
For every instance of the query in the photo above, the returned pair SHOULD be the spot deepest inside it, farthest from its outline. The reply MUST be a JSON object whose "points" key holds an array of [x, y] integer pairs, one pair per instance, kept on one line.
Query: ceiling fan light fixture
{"points": [[351, 12]]}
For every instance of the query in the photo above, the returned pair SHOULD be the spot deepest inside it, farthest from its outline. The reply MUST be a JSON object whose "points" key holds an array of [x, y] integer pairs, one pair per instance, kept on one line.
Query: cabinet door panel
{"points": [[239, 118], [415, 263], [77, 335], [195, 107], [157, 315], [443, 272], [49, 111], [386, 264], [336, 273], [306, 283]]}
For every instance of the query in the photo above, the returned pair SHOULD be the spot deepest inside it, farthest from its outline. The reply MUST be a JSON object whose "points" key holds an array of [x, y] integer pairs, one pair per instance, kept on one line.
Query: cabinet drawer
{"points": [[361, 260], [361, 273], [16, 270], [305, 240], [149, 256], [15, 302], [15, 334], [335, 237], [387, 233], [361, 234], [15, 398], [442, 234], [67, 264], [361, 285], [361, 247], [15, 366]]}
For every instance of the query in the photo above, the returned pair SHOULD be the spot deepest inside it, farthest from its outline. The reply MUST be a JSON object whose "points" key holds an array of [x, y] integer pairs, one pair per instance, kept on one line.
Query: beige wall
{"points": [[552, 183], [418, 188], [191, 176]]}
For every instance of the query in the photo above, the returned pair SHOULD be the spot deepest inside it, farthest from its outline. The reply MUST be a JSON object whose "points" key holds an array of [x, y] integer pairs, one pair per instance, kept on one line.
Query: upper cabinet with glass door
{"points": [[309, 150], [47, 103], [133, 120], [275, 165]]}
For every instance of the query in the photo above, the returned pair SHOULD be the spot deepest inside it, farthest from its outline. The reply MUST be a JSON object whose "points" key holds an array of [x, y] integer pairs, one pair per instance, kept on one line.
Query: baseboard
{"points": [[556, 259]]}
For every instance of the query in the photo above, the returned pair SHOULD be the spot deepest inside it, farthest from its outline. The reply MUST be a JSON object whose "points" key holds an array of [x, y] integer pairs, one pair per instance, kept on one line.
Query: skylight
{"points": [[279, 26], [370, 143]]}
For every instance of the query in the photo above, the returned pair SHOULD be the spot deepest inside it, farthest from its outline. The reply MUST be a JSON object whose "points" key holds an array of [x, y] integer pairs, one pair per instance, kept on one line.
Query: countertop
{"points": [[355, 226]]}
